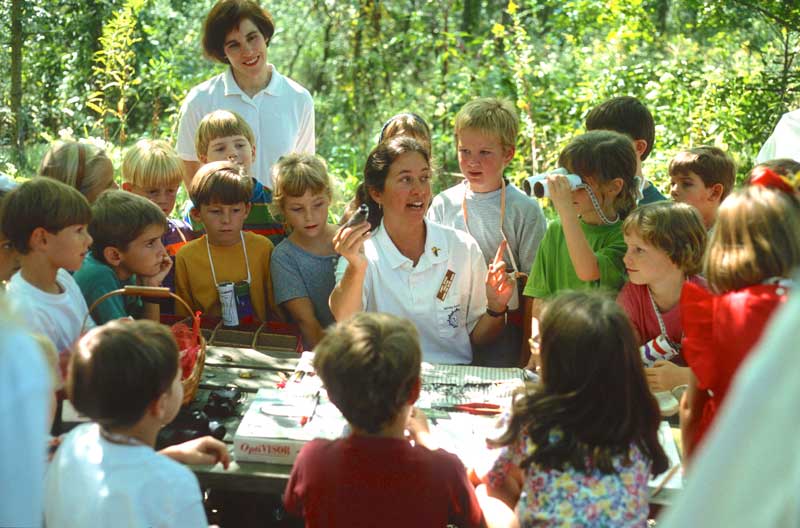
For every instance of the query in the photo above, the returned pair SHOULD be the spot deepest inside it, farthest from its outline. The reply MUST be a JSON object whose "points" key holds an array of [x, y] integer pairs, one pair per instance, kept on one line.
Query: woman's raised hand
{"points": [[499, 286], [349, 243]]}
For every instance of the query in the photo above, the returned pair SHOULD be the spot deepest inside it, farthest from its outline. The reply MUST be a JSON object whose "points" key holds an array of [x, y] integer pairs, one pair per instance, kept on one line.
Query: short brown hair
{"points": [[711, 164], [119, 369], [626, 115], [45, 203], [296, 173], [674, 228], [604, 155], [756, 236], [224, 17], [490, 115], [152, 163], [220, 124], [407, 124], [82, 166], [369, 365], [118, 218], [220, 182]]}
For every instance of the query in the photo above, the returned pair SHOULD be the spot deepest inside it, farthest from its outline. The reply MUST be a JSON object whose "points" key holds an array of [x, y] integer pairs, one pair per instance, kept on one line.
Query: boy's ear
{"points": [[38, 239], [253, 152], [247, 208], [112, 255], [126, 186], [508, 154], [413, 394], [639, 145], [716, 192], [194, 212], [158, 407], [203, 158]]}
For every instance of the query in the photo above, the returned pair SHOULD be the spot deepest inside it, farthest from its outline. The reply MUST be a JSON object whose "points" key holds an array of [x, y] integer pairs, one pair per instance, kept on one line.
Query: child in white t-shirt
{"points": [[45, 221], [125, 377]]}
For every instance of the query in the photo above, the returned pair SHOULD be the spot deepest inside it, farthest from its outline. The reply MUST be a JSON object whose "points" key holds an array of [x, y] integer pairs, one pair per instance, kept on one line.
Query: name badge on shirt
{"points": [[445, 286]]}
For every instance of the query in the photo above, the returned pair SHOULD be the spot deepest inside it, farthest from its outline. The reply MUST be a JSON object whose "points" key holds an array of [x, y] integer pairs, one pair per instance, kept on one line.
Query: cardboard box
{"points": [[278, 423]]}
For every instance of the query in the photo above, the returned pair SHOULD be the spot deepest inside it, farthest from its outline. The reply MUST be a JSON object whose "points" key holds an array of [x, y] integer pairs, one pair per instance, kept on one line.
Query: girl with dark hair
{"points": [[578, 450], [237, 33], [431, 274]]}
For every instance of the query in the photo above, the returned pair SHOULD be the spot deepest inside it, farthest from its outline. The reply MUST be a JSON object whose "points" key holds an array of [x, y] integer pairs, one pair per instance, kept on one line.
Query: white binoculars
{"points": [[537, 185]]}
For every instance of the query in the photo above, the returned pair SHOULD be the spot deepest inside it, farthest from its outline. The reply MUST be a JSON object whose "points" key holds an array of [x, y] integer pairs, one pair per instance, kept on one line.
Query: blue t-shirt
{"points": [[95, 279], [297, 273]]}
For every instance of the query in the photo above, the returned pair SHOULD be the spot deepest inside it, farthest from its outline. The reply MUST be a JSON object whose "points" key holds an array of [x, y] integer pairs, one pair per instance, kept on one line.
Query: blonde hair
{"points": [[756, 236], [674, 228], [296, 173], [152, 163], [82, 166], [220, 124], [407, 124], [490, 115]]}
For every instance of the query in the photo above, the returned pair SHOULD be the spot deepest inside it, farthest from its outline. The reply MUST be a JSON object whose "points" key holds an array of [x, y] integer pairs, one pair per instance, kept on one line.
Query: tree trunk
{"points": [[17, 41], [470, 16]]}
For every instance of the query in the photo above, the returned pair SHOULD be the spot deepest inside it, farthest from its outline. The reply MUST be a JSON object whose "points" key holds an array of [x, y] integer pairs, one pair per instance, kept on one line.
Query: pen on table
{"points": [[304, 420]]}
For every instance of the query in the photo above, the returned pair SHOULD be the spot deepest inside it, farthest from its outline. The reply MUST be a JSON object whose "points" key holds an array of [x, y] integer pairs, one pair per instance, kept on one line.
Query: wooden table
{"points": [[225, 367]]}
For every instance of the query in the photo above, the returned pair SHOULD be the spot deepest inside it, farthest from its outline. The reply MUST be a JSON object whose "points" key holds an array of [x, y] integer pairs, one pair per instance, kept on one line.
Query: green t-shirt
{"points": [[95, 279], [553, 271]]}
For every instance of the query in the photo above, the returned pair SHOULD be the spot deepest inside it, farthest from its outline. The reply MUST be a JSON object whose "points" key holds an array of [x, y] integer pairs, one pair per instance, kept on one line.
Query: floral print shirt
{"points": [[577, 498]]}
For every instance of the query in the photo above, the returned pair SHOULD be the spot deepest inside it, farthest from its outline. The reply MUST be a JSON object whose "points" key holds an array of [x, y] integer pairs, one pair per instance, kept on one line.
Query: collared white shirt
{"points": [[444, 317], [281, 116]]}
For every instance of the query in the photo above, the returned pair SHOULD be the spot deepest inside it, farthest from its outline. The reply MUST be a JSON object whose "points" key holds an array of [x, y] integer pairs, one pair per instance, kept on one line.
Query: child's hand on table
{"points": [[418, 430], [200, 451], [665, 376]]}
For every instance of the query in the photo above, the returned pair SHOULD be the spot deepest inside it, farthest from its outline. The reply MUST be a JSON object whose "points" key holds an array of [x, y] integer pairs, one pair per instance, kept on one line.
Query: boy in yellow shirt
{"points": [[226, 272]]}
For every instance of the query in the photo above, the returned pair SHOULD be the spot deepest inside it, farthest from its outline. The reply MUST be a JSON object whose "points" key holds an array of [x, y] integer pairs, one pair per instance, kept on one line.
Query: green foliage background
{"points": [[712, 72]]}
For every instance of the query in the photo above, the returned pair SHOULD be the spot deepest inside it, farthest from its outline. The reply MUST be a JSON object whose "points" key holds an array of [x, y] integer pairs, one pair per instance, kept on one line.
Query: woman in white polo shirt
{"points": [[280, 111], [409, 266]]}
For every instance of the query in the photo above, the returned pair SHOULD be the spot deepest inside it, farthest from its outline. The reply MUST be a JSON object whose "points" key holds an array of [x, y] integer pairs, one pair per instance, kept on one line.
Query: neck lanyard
{"points": [[211, 261], [661, 325], [599, 211], [517, 273], [116, 438]]}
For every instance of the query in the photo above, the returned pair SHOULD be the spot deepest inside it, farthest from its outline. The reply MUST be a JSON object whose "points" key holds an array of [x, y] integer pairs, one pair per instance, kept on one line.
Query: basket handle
{"points": [[153, 292]]}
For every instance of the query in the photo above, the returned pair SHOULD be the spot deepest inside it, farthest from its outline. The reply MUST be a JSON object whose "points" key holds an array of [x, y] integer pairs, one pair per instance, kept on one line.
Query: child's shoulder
{"points": [[256, 241], [452, 195]]}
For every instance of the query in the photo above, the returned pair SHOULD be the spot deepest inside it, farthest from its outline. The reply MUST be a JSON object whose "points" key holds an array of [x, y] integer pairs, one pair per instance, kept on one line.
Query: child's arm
{"points": [[302, 311], [580, 253], [345, 300], [152, 310], [532, 310], [691, 411], [182, 286]]}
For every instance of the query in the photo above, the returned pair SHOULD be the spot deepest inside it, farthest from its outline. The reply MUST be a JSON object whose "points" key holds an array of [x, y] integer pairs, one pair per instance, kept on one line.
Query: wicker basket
{"points": [[192, 382]]}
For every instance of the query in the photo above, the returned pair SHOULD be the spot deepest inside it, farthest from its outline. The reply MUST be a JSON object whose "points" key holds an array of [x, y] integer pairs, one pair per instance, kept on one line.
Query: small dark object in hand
{"points": [[359, 217]]}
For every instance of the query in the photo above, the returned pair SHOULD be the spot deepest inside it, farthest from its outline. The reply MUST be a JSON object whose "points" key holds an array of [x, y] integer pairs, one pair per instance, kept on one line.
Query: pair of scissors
{"points": [[478, 408]]}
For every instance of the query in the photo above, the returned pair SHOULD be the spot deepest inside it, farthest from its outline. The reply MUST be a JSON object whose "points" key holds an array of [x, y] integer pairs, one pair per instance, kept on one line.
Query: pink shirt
{"points": [[635, 300]]}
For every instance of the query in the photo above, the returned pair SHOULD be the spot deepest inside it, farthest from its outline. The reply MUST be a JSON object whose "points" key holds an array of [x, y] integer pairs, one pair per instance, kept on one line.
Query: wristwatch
{"points": [[492, 313]]}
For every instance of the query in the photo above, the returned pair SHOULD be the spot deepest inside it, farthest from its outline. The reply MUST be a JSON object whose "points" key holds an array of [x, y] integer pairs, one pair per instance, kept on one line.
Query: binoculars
{"points": [[537, 185]]}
